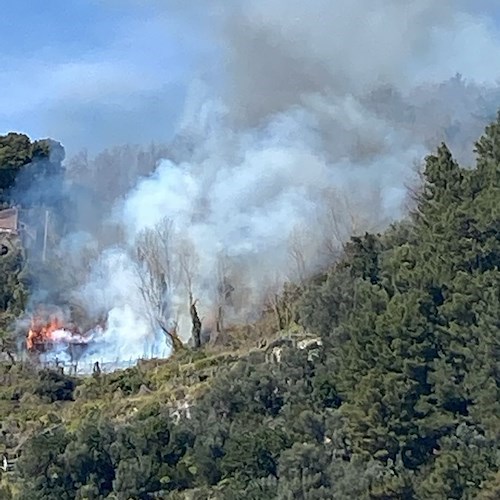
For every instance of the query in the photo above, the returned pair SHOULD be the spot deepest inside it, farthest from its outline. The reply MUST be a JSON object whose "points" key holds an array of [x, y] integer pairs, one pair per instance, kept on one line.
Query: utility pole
{"points": [[46, 229]]}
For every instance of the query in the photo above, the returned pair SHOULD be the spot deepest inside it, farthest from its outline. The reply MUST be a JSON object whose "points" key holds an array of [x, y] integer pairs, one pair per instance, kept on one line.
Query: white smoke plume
{"points": [[312, 129]]}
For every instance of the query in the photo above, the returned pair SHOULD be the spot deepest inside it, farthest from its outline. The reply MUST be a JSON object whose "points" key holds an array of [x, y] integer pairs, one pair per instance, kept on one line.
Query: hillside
{"points": [[382, 383]]}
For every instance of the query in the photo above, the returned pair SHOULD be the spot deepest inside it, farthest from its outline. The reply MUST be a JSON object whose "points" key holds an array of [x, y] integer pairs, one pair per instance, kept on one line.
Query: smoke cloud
{"points": [[308, 131]]}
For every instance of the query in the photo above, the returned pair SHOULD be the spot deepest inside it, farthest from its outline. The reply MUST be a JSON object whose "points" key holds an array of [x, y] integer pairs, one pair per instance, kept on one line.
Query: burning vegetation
{"points": [[51, 331]]}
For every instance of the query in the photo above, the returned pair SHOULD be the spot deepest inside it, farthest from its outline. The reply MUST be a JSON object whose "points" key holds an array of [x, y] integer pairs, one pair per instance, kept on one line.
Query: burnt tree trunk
{"points": [[219, 327], [196, 330], [172, 337]]}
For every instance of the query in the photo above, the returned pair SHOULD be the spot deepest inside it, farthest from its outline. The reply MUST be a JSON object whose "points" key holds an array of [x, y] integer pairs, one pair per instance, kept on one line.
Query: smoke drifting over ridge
{"points": [[310, 132]]}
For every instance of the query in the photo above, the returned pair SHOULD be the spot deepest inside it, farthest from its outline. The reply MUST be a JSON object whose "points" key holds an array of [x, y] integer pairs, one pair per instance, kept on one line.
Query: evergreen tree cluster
{"points": [[23, 161]]}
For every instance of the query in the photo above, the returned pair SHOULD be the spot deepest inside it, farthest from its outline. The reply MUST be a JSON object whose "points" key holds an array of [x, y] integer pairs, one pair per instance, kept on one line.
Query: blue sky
{"points": [[91, 73]]}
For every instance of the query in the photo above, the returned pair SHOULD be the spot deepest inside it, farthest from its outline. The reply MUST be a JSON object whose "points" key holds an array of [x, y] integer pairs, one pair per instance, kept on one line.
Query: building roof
{"points": [[9, 220]]}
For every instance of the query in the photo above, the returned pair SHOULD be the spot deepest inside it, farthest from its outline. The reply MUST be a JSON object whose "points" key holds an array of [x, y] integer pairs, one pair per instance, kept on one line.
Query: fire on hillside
{"points": [[52, 332]]}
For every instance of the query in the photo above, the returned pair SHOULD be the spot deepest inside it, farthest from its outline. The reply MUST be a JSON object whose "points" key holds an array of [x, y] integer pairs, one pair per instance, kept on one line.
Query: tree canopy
{"points": [[17, 152]]}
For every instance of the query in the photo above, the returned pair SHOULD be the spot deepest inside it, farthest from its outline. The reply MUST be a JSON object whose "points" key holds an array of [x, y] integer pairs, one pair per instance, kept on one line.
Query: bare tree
{"points": [[341, 218], [273, 302], [296, 250], [224, 294], [188, 261], [157, 277], [340, 223]]}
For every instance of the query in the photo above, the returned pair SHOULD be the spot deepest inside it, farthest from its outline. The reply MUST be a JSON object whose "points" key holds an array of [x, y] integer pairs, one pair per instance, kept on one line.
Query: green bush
{"points": [[54, 386]]}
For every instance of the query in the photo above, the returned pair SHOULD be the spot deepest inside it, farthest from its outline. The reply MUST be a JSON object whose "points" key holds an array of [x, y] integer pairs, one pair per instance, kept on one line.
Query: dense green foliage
{"points": [[13, 293], [18, 153], [397, 397]]}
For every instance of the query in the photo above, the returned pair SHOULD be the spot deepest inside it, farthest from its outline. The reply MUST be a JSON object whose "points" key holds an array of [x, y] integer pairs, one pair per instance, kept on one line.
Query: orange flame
{"points": [[42, 331]]}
